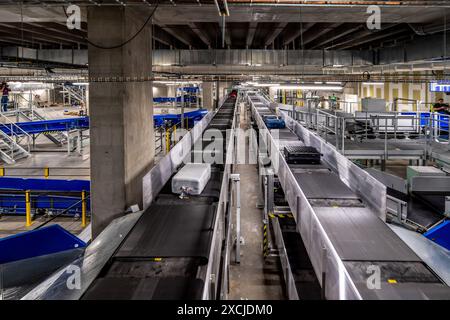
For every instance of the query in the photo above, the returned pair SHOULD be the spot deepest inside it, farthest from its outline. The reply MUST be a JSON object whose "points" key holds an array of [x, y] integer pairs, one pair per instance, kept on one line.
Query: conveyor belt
{"points": [[356, 234], [323, 185], [189, 236], [164, 255], [152, 288]]}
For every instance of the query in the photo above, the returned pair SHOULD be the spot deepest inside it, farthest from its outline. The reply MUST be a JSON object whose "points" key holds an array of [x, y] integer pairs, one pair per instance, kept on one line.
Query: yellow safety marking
{"points": [[392, 281], [28, 220], [2, 172], [280, 215], [46, 172], [83, 209]]}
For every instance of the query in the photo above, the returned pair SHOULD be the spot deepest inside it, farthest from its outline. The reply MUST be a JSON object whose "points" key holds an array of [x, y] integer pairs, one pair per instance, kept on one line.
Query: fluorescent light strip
{"points": [[309, 87], [266, 84], [373, 83]]}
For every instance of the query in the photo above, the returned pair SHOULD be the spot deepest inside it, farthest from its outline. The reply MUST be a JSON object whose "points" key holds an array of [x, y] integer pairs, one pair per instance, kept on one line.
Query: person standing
{"points": [[5, 96]]}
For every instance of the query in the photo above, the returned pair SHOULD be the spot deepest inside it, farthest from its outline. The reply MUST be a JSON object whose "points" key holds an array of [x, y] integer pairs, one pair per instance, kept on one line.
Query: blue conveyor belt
{"points": [[35, 127], [14, 204], [54, 185], [192, 116], [440, 234], [53, 195], [44, 126]]}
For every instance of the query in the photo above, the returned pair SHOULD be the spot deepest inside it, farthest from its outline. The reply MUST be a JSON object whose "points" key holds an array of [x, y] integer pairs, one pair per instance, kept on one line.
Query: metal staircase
{"points": [[13, 146], [74, 93], [10, 150]]}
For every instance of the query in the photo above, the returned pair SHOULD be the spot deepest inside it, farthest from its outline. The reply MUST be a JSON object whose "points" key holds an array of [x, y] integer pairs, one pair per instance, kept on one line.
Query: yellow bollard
{"points": [[46, 173], [2, 172], [28, 208], [174, 134], [167, 140], [83, 209]]}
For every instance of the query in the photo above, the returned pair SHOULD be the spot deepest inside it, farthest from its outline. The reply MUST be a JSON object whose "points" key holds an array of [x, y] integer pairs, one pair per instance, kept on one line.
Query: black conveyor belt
{"points": [[173, 288], [190, 232]]}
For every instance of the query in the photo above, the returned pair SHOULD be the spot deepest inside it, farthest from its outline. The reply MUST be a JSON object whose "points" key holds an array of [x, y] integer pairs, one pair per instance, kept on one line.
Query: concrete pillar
{"points": [[121, 114], [171, 91], [208, 101]]}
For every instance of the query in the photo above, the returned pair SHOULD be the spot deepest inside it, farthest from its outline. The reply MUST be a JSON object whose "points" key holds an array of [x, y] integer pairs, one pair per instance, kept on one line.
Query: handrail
{"points": [[62, 212], [432, 126], [23, 132]]}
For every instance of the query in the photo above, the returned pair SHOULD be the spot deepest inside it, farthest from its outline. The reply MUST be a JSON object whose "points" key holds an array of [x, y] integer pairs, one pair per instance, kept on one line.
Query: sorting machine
{"points": [[177, 247], [337, 246]]}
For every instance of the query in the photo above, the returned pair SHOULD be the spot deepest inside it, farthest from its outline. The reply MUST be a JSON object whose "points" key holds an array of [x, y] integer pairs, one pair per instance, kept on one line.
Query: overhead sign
{"points": [[440, 87]]}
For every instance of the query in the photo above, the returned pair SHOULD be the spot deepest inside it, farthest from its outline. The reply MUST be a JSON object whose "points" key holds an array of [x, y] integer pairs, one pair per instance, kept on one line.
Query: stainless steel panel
{"points": [[389, 180], [157, 177], [89, 265], [431, 184]]}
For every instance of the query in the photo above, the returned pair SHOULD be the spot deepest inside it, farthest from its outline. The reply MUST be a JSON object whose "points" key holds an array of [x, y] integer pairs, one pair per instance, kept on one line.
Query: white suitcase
{"points": [[192, 178]]}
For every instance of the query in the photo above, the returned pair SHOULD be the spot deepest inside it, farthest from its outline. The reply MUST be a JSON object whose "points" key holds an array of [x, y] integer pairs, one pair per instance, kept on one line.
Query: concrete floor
{"points": [[10, 225], [253, 278]]}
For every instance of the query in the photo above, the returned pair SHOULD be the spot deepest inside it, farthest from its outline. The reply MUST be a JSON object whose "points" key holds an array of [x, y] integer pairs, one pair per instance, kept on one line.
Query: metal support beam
{"points": [[275, 33], [295, 31], [351, 38], [369, 39], [338, 33], [174, 31], [199, 32], [164, 37], [251, 34], [319, 31]]}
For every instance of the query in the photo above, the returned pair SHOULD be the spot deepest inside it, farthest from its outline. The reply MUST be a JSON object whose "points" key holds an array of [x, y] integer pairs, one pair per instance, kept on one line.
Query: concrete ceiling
{"points": [[198, 25]]}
